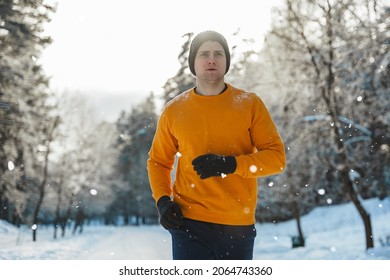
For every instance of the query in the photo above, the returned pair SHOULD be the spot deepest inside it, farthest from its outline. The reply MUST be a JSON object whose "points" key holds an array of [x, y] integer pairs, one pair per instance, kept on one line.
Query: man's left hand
{"points": [[209, 165]]}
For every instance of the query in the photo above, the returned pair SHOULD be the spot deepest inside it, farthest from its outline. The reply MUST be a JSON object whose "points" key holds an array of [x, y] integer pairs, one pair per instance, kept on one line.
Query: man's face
{"points": [[210, 61]]}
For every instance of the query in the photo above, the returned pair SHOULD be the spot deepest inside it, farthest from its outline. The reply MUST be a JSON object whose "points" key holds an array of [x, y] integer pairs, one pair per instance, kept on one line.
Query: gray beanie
{"points": [[199, 40]]}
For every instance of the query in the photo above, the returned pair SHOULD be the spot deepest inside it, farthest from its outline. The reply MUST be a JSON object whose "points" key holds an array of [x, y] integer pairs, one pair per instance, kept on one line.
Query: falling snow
{"points": [[11, 166], [253, 168]]}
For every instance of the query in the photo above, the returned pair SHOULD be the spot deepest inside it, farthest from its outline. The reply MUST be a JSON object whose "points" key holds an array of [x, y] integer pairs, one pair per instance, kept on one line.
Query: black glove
{"points": [[214, 165], [170, 213]]}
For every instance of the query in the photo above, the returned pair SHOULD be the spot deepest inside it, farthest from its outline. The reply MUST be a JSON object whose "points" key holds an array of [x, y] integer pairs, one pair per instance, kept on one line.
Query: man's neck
{"points": [[210, 88]]}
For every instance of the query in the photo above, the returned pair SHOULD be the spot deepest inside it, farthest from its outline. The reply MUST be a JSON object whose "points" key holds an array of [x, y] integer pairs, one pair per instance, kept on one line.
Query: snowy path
{"points": [[130, 243], [95, 243]]}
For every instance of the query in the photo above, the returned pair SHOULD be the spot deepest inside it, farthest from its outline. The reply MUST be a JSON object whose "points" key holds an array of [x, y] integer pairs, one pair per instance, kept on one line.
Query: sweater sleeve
{"points": [[269, 156], [161, 159]]}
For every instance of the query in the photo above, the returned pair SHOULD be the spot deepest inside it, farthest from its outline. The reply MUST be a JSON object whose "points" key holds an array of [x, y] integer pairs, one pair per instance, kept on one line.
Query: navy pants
{"points": [[198, 240]]}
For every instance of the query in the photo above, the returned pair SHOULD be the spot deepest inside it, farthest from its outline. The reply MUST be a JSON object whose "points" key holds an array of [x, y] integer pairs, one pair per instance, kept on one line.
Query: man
{"points": [[224, 139]]}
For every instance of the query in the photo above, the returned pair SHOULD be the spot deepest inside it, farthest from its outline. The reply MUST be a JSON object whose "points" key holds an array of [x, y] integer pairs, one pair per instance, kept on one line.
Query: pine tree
{"points": [[183, 80], [136, 130], [23, 95]]}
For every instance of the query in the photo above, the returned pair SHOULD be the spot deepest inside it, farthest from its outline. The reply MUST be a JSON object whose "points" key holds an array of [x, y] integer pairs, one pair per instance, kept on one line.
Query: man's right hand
{"points": [[170, 213]]}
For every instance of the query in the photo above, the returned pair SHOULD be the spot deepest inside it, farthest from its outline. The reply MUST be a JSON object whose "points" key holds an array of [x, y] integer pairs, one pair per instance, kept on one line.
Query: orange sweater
{"points": [[232, 123]]}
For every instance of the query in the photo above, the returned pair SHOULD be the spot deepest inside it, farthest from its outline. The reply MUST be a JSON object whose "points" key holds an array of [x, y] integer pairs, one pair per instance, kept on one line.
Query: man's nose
{"points": [[211, 60]]}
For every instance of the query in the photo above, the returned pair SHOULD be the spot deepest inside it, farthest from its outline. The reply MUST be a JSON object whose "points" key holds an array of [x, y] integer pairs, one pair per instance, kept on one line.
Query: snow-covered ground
{"points": [[332, 233]]}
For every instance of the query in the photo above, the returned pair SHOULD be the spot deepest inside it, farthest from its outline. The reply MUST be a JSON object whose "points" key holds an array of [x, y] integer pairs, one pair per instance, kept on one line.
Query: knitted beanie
{"points": [[199, 40]]}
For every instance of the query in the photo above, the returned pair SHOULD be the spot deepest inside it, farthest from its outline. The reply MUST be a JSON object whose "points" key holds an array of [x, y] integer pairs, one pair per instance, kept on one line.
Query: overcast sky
{"points": [[126, 46]]}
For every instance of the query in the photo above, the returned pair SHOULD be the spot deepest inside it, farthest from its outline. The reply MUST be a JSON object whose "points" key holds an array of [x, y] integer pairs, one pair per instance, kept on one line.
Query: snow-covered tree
{"points": [[24, 107], [314, 46], [183, 79]]}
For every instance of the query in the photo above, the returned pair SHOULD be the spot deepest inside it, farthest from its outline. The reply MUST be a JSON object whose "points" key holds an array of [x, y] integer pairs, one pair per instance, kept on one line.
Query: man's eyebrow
{"points": [[207, 51]]}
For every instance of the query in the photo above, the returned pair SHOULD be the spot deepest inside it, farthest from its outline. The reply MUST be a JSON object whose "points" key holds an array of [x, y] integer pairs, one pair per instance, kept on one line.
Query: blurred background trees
{"points": [[323, 70]]}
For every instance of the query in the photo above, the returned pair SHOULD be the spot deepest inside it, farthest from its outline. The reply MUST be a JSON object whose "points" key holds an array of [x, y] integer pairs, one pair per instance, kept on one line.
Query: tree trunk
{"points": [[79, 221], [355, 200], [41, 194], [298, 241], [349, 185], [64, 219], [44, 179], [38, 206]]}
